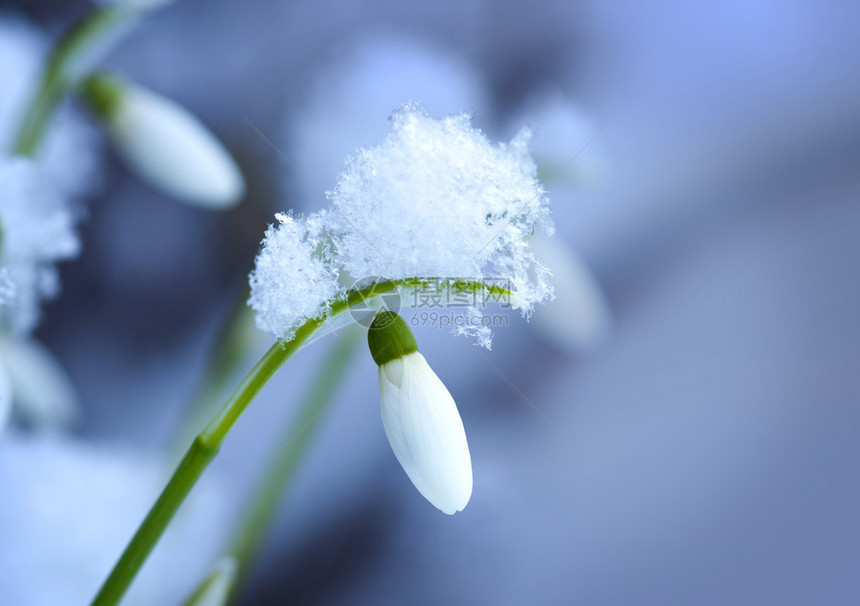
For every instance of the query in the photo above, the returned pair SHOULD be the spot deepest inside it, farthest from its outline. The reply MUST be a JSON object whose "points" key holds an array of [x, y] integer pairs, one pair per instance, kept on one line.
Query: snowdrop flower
{"points": [[561, 130], [165, 144], [578, 318], [42, 393], [420, 417], [434, 200]]}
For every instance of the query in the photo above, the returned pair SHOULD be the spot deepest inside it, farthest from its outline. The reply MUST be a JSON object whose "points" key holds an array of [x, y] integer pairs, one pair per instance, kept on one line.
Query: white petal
{"points": [[578, 318], [42, 391], [171, 148], [5, 397], [426, 432]]}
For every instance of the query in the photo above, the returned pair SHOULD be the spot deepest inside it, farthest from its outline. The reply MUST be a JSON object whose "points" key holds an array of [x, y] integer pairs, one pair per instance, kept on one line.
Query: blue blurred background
{"points": [[705, 452]]}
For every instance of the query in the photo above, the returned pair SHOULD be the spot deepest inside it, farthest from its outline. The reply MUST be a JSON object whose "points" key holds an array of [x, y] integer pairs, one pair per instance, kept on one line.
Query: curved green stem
{"points": [[70, 59], [206, 445]]}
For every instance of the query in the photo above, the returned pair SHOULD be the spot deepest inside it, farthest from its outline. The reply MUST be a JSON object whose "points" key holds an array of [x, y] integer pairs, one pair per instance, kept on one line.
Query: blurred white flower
{"points": [[578, 318], [40, 390], [68, 509], [165, 144], [562, 144]]}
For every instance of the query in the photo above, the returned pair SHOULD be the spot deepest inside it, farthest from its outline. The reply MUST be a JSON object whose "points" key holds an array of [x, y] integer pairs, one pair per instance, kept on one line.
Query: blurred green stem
{"points": [[216, 588], [250, 533], [206, 445], [69, 61], [203, 449]]}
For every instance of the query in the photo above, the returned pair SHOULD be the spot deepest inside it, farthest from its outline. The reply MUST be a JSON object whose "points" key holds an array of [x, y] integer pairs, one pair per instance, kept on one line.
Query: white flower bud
{"points": [[420, 417], [426, 432], [165, 144], [42, 392], [578, 319]]}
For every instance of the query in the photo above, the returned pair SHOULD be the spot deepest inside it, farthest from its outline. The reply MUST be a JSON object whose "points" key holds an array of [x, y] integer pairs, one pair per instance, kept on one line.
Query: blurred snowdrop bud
{"points": [[420, 417], [562, 144], [215, 588], [40, 389], [578, 319], [165, 144]]}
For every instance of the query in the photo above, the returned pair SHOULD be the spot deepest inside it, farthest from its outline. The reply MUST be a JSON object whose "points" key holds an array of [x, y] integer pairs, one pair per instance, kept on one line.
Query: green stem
{"points": [[70, 59], [263, 505], [206, 445], [203, 449]]}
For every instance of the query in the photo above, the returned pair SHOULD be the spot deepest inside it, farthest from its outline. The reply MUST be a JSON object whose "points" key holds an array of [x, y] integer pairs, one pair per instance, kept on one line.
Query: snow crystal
{"points": [[434, 200], [437, 199], [38, 230], [293, 278]]}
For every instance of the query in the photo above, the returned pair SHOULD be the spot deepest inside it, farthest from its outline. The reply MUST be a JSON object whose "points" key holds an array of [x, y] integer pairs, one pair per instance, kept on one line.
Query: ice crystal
{"points": [[293, 277], [435, 199]]}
